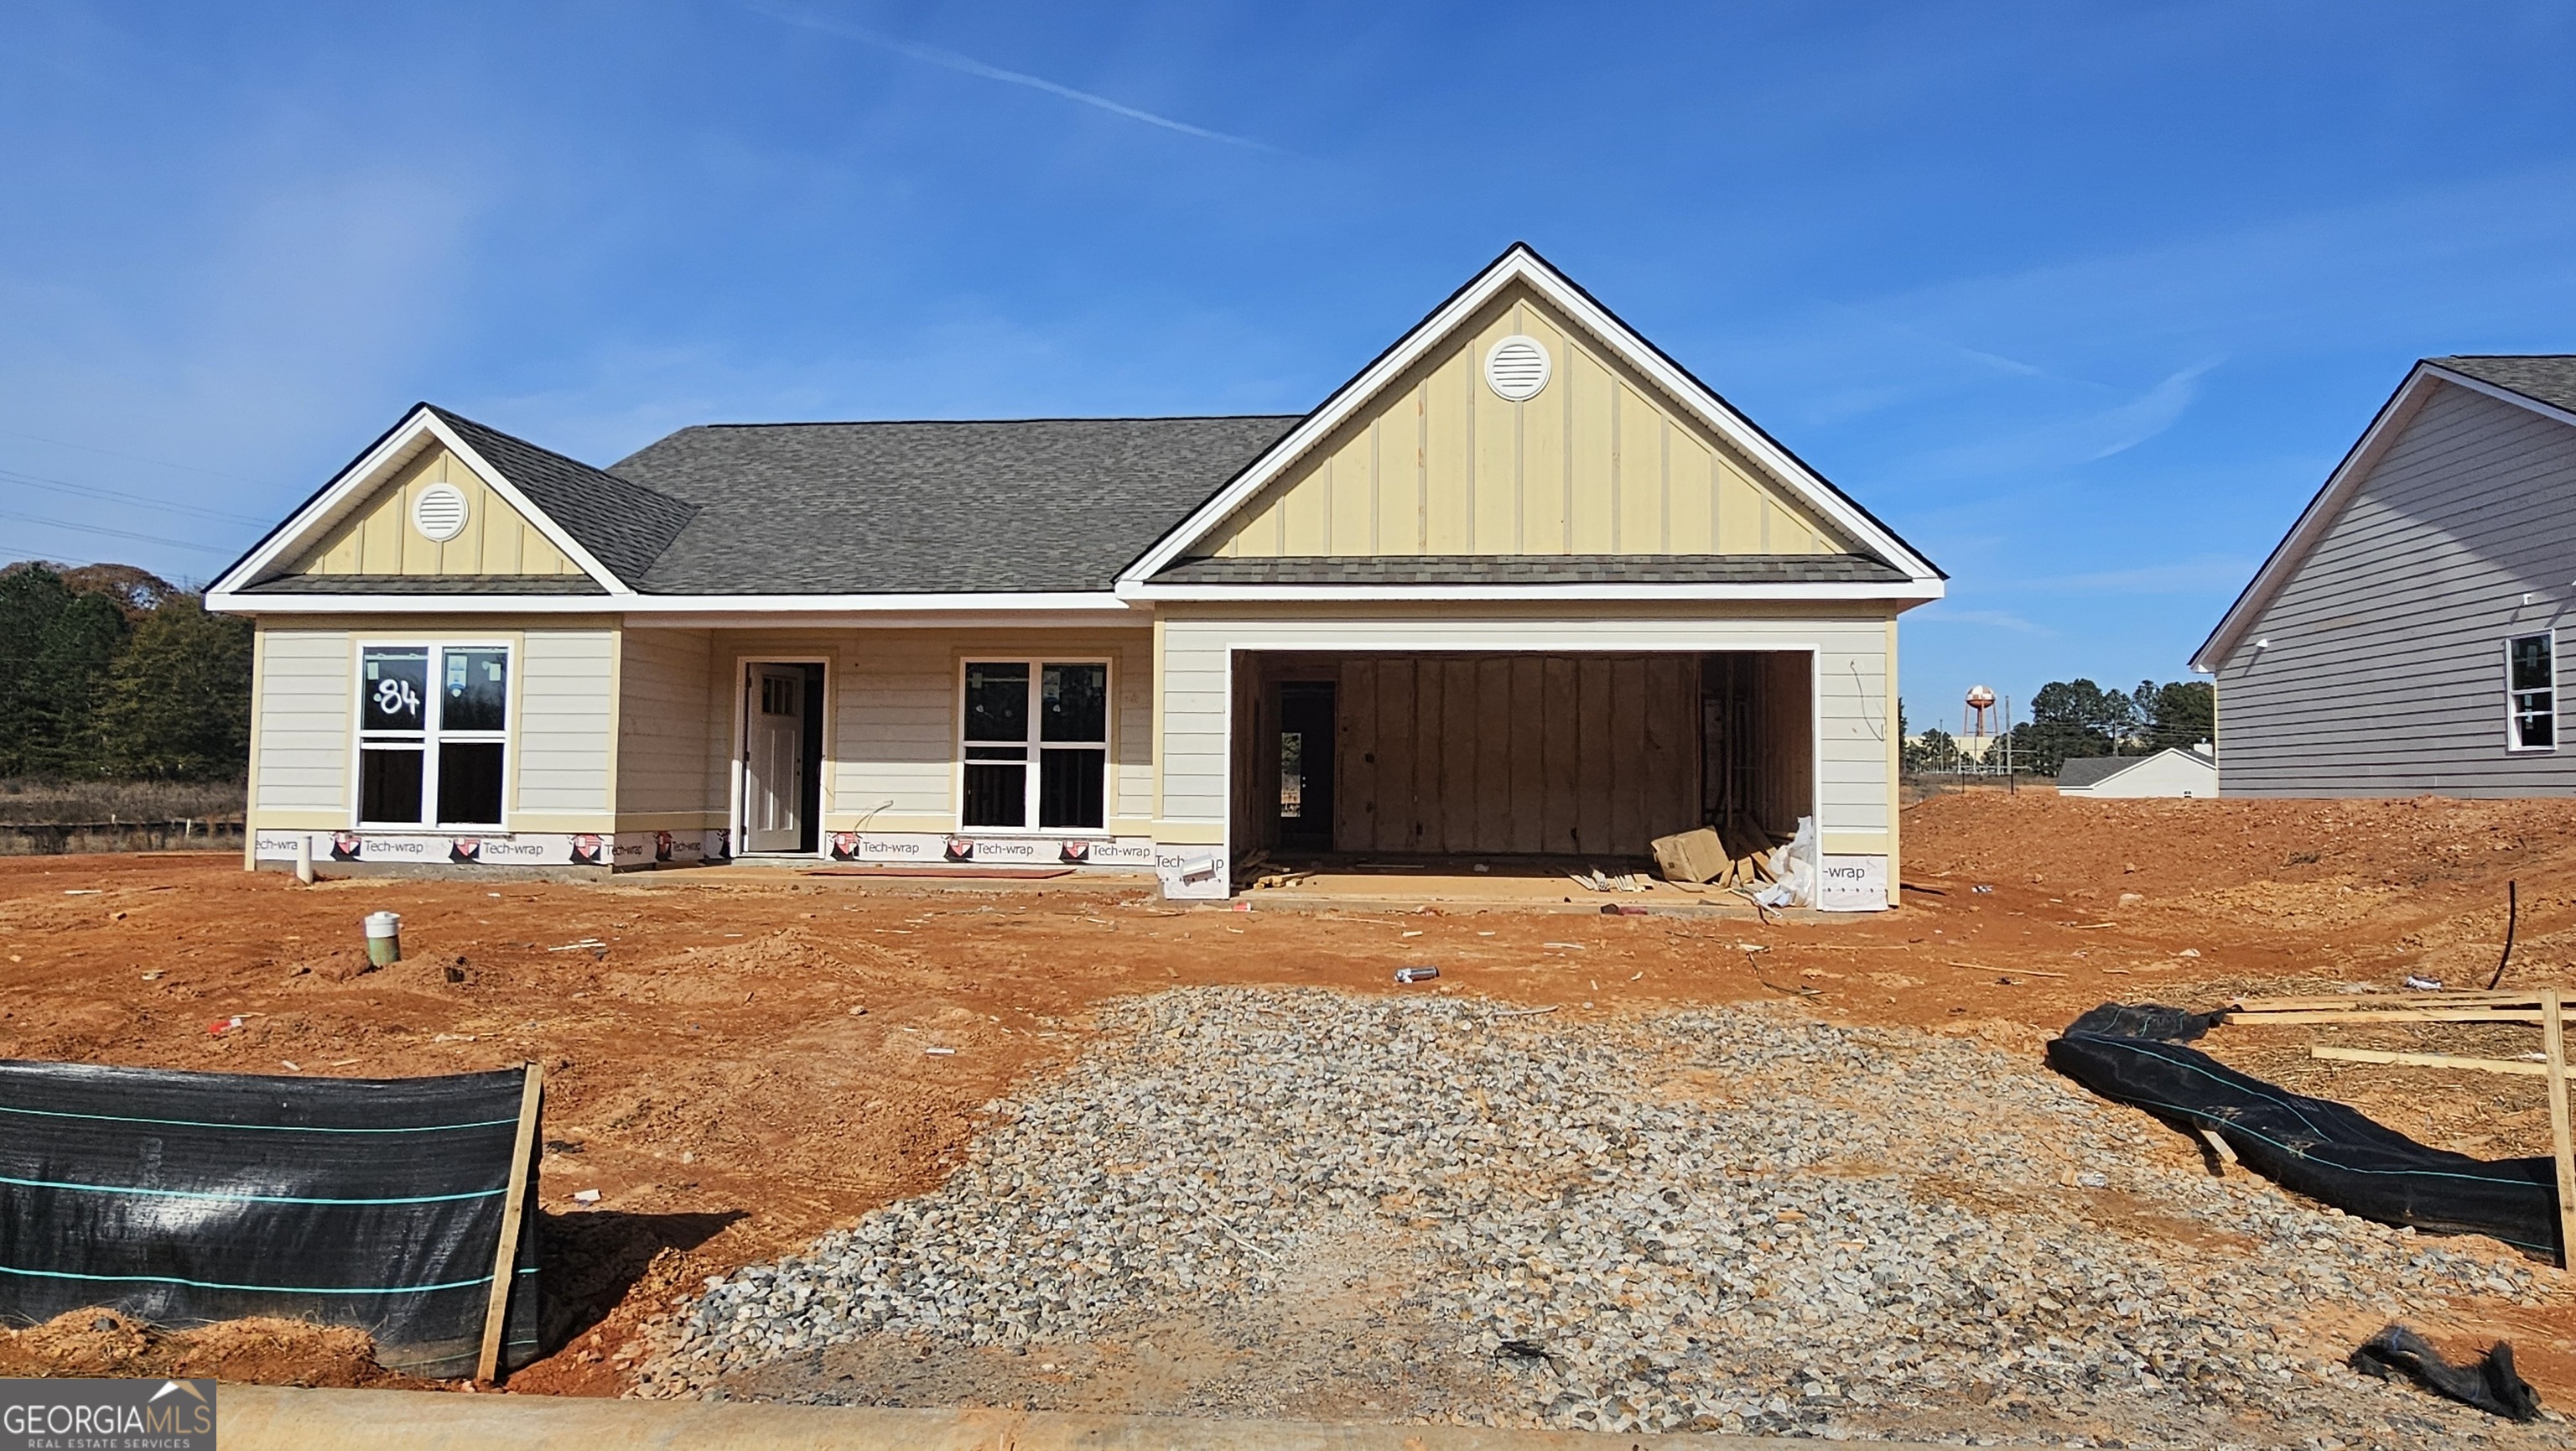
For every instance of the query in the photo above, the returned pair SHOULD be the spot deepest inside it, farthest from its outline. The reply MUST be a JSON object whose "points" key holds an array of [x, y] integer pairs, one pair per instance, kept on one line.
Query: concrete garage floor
{"points": [[1521, 883]]}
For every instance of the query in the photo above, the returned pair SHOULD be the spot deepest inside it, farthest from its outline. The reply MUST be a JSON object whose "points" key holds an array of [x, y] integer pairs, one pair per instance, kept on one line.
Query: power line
{"points": [[66, 486], [131, 457], [119, 533]]}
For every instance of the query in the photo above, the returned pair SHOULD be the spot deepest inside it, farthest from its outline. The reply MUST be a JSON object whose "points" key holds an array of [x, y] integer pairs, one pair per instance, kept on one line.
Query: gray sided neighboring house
{"points": [[2405, 638]]}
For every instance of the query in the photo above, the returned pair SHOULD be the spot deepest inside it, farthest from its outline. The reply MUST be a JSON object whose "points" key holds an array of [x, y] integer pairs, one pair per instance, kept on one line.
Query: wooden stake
{"points": [[505, 1257], [2217, 1145], [2429, 1060], [2553, 1046]]}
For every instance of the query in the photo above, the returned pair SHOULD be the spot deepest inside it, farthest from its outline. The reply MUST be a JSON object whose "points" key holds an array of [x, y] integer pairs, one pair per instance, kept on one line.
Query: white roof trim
{"points": [[1914, 591], [655, 607], [394, 450], [2328, 505], [1522, 265]]}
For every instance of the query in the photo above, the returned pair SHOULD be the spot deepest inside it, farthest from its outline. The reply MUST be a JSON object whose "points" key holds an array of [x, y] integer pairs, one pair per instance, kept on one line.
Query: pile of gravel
{"points": [[1737, 1220]]}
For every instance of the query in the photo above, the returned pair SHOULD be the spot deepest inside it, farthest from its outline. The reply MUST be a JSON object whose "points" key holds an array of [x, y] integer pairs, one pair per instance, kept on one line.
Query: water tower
{"points": [[1980, 701]]}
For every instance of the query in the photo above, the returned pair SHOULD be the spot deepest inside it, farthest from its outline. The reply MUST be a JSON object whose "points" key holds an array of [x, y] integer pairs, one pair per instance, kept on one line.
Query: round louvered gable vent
{"points": [[1517, 367], [438, 512]]}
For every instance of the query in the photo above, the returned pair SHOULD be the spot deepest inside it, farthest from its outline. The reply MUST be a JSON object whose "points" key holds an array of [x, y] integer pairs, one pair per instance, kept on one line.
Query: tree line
{"points": [[2070, 719], [107, 671]]}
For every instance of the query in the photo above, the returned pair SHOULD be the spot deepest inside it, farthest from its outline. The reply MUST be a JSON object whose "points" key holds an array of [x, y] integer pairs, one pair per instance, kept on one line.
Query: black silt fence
{"points": [[185, 1198], [2317, 1147]]}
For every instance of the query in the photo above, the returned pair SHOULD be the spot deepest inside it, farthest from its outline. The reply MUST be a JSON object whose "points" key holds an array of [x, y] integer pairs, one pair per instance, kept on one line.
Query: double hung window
{"points": [[2531, 693], [433, 732], [1036, 745]]}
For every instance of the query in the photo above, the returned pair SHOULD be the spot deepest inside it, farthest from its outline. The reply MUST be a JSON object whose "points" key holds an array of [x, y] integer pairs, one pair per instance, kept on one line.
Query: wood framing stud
{"points": [[2553, 1046], [505, 1256]]}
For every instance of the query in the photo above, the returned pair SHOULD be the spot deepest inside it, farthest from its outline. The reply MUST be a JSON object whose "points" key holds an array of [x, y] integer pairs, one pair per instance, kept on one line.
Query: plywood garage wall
{"points": [[1570, 754]]}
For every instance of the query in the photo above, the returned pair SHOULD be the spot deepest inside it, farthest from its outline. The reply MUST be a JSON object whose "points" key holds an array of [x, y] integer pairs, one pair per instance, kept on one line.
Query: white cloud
{"points": [[968, 65]]}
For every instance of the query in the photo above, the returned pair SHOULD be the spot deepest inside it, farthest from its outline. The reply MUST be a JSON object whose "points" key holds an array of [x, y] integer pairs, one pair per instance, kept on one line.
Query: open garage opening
{"points": [[1536, 761]]}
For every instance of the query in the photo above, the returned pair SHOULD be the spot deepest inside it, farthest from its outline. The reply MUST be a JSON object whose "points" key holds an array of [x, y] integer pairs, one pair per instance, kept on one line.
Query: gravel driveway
{"points": [[1303, 1203]]}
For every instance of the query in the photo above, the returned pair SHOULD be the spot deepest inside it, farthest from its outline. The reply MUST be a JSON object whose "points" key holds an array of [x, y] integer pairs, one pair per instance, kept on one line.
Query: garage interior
{"points": [[1527, 762]]}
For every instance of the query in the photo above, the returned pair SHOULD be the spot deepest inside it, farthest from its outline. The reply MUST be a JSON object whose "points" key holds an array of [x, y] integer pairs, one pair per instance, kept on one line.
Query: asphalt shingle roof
{"points": [[897, 508], [2086, 770], [1538, 569], [623, 525], [2548, 377]]}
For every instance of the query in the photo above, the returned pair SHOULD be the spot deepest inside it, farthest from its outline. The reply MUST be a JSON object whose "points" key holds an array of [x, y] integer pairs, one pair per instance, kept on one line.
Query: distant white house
{"points": [[2174, 772]]}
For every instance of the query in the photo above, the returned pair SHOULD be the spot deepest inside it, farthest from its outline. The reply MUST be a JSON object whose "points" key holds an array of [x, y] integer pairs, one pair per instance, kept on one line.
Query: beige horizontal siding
{"points": [[307, 709], [567, 720], [665, 762]]}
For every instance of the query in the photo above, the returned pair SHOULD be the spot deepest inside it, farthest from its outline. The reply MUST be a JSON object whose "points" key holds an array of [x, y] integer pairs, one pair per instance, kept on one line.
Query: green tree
{"points": [[2071, 718], [56, 645], [2180, 713], [1937, 751], [177, 703]]}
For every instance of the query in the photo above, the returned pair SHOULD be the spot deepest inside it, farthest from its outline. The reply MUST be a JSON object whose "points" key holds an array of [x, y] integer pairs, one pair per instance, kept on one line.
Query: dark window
{"points": [[2531, 692], [1075, 701], [475, 695], [996, 795], [469, 783], [396, 686], [412, 758], [1069, 788], [389, 785], [1010, 708], [997, 702]]}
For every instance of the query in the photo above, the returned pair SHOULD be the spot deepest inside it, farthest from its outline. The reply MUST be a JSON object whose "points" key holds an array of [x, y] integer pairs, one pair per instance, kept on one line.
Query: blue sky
{"points": [[2085, 300]]}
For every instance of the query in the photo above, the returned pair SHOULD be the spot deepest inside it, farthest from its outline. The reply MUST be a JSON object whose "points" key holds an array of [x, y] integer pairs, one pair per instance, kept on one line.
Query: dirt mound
{"points": [[260, 1351]]}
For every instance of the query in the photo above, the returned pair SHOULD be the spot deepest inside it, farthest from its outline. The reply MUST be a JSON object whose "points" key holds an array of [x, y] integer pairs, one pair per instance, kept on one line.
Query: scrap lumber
{"points": [[2468, 1014], [2217, 1145], [2429, 1060], [2376, 1002]]}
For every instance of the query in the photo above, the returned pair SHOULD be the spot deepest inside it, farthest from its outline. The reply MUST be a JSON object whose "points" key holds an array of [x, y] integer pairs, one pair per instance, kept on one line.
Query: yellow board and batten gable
{"points": [[1598, 462], [377, 537]]}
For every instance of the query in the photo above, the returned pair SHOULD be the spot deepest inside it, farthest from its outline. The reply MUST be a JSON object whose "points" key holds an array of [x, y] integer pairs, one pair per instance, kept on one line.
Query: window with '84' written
{"points": [[433, 734]]}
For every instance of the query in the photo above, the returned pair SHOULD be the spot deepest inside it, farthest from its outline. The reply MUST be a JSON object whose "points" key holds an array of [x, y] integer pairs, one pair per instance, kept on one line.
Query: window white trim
{"points": [[1107, 745], [2513, 713], [432, 734]]}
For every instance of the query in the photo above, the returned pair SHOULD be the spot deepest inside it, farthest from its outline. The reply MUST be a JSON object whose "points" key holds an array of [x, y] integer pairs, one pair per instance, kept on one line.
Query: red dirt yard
{"points": [[742, 1066]]}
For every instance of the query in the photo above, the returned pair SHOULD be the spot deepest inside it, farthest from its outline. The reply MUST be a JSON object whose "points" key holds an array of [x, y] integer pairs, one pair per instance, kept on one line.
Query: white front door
{"points": [[773, 760]]}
